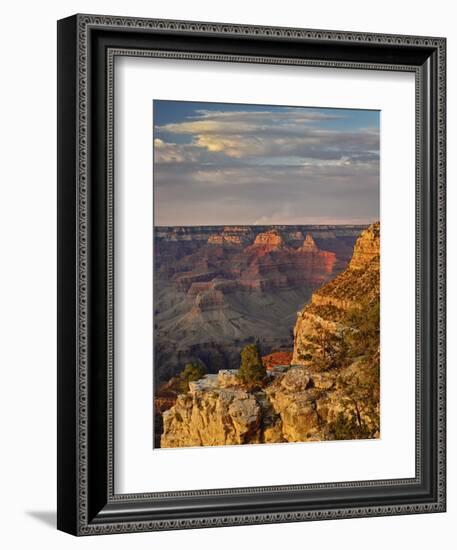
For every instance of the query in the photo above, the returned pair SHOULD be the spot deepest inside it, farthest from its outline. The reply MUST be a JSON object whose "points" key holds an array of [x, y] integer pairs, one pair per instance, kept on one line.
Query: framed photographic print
{"points": [[251, 274]]}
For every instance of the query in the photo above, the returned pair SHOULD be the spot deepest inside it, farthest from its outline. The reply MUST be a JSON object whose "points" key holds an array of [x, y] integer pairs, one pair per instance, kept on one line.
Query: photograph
{"points": [[266, 274], [251, 274]]}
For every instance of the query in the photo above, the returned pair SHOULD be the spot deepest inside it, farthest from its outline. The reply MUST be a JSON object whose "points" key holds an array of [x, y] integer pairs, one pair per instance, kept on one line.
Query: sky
{"points": [[238, 164]]}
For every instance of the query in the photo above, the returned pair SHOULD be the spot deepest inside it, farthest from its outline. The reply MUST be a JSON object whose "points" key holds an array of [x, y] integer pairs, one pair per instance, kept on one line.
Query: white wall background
{"points": [[28, 271]]}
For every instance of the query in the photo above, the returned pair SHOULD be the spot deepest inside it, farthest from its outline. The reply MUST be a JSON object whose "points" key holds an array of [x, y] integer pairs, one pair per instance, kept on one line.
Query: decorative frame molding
{"points": [[88, 45]]}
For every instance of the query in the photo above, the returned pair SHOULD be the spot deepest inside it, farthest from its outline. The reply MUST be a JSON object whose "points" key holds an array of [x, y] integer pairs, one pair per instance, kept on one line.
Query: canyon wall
{"points": [[218, 288], [354, 289], [328, 389]]}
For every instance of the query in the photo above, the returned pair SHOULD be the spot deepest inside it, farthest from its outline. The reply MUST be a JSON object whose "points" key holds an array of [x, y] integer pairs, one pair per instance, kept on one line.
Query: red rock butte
{"points": [[271, 238], [309, 243]]}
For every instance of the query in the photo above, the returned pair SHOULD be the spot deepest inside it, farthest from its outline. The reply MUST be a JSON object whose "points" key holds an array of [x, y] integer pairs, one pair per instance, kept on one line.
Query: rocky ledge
{"points": [[295, 405], [215, 411]]}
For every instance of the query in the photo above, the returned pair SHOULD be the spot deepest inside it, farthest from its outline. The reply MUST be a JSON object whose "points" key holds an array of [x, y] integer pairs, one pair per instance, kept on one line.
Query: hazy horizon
{"points": [[268, 224], [220, 164]]}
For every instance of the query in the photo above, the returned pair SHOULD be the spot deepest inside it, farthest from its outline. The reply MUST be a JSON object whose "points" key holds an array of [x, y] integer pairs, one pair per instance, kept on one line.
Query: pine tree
{"points": [[252, 372]]}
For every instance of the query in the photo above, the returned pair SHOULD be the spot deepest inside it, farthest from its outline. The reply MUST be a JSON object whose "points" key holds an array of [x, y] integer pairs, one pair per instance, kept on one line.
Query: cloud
{"points": [[246, 166], [246, 134], [247, 122], [247, 194]]}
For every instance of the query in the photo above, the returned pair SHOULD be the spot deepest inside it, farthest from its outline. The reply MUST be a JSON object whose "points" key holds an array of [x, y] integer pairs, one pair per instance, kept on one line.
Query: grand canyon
{"points": [[298, 295]]}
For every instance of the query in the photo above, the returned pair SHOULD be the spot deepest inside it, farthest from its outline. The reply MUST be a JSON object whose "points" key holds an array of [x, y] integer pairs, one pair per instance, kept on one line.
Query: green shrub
{"points": [[364, 322], [193, 371], [252, 371], [346, 428]]}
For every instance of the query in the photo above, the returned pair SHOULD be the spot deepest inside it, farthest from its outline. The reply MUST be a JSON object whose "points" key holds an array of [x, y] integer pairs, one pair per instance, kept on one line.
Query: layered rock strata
{"points": [[327, 389], [217, 288], [354, 288]]}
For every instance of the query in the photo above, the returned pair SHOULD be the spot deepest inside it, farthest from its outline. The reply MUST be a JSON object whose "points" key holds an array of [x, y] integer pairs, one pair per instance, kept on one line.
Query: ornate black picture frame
{"points": [[87, 46]]}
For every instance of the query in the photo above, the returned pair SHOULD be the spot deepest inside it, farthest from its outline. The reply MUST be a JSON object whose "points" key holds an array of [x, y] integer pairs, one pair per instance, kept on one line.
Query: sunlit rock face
{"points": [[211, 414], [309, 244], [267, 242], [367, 248], [225, 239], [295, 406], [355, 287]]}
